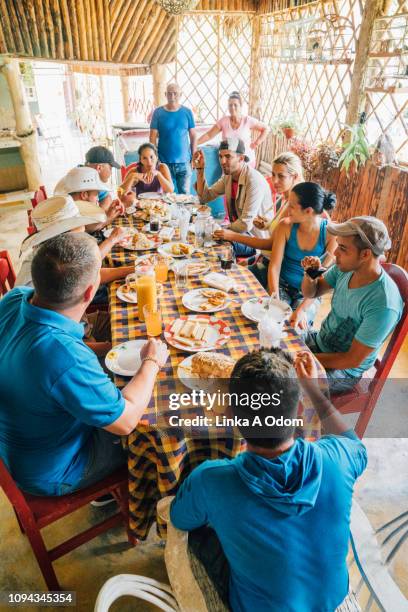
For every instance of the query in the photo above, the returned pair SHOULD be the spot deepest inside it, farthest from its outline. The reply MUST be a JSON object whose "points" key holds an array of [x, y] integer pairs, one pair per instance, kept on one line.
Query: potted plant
{"points": [[355, 146], [289, 126]]}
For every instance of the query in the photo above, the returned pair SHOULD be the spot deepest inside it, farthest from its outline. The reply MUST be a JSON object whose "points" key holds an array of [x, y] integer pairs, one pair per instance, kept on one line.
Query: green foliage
{"points": [[356, 149]]}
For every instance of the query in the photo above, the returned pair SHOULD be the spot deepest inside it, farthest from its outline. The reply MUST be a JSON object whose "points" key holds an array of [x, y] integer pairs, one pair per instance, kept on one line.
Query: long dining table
{"points": [[159, 459]]}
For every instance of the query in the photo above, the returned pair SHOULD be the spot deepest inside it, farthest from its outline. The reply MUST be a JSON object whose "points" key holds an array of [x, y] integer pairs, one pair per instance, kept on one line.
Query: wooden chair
{"points": [[39, 196], [363, 397], [35, 512], [7, 274]]}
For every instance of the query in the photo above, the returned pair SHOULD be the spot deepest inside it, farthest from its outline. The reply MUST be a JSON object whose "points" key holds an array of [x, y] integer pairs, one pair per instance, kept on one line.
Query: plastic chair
{"points": [[7, 274], [363, 397], [125, 169], [39, 196], [140, 587], [35, 512]]}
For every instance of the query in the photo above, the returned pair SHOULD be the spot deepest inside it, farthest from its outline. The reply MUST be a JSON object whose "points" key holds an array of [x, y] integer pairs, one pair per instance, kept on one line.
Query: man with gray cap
{"points": [[246, 191], [366, 303]]}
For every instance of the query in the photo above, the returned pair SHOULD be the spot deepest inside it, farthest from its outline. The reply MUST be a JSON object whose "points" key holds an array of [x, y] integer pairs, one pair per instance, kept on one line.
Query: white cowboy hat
{"points": [[61, 214], [82, 178]]}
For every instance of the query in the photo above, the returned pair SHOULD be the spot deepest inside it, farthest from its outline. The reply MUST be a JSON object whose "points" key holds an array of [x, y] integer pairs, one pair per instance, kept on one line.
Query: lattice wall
{"points": [[90, 107], [386, 79], [213, 58], [307, 56]]}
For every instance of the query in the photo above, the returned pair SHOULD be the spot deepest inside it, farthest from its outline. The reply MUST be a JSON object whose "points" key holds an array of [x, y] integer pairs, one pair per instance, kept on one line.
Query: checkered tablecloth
{"points": [[159, 460]]}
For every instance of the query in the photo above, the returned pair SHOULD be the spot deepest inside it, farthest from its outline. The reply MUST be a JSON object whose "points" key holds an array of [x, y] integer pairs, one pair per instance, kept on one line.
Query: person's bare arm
{"points": [[108, 275], [280, 236], [252, 241], [193, 141], [209, 135], [350, 359], [314, 288], [153, 136], [138, 391], [164, 177], [263, 133]]}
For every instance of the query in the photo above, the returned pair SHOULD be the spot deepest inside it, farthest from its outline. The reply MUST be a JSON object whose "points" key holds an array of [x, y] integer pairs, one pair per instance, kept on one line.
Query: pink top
{"points": [[243, 131]]}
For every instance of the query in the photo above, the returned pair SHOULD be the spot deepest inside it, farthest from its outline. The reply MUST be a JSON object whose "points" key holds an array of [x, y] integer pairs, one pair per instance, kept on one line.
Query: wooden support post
{"points": [[255, 82], [25, 131], [159, 73], [124, 82], [356, 99]]}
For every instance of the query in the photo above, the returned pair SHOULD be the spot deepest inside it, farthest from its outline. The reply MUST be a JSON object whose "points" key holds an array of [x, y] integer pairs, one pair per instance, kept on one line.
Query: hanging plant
{"points": [[355, 148]]}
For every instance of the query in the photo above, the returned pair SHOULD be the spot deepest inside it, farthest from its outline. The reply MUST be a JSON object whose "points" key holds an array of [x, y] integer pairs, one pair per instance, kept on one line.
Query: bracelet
{"points": [[154, 361], [200, 168]]}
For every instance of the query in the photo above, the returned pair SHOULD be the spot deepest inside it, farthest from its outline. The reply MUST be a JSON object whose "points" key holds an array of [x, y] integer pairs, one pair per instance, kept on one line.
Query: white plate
{"points": [[219, 334], [124, 359], [253, 309], [150, 195], [130, 298], [107, 232], [189, 262], [192, 300], [151, 247], [131, 209], [192, 382], [181, 198], [165, 249]]}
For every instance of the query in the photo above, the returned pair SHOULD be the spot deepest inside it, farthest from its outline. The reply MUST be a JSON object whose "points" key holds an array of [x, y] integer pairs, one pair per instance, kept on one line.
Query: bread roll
{"points": [[212, 365]]}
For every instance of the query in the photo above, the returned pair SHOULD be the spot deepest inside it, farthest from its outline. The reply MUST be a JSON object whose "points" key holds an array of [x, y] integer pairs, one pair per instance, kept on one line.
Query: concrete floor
{"points": [[382, 491]]}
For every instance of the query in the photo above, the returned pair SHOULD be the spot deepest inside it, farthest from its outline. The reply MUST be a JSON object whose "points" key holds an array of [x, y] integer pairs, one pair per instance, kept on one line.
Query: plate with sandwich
{"points": [[196, 266], [205, 300], [198, 371], [176, 249], [196, 333]]}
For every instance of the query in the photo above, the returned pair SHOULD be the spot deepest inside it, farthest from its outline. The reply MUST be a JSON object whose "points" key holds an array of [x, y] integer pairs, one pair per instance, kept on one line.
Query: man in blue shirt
{"points": [[281, 510], [60, 414], [366, 304], [174, 126]]}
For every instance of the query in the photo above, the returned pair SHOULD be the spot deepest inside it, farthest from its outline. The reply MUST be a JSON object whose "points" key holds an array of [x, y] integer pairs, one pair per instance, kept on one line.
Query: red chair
{"points": [[364, 396], [34, 512], [125, 169], [7, 274], [39, 196]]}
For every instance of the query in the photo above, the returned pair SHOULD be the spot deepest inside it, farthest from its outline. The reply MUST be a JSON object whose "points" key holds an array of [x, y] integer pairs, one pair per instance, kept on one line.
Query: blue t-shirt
{"points": [[291, 269], [368, 314], [53, 393], [283, 523], [174, 140]]}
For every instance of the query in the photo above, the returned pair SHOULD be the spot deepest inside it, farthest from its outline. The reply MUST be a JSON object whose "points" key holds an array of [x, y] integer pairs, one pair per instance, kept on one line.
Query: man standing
{"points": [[366, 303], [174, 125], [246, 190], [56, 423]]}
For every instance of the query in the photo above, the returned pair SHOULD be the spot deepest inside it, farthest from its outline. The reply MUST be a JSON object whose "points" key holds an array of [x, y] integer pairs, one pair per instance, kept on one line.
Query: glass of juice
{"points": [[153, 319], [145, 288], [161, 268]]}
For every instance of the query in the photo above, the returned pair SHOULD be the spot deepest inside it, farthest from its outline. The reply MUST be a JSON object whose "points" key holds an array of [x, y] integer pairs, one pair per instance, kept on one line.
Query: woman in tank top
{"points": [[149, 175], [303, 233]]}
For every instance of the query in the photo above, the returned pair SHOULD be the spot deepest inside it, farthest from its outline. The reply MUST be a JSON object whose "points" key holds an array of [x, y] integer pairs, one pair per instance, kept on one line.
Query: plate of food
{"points": [[127, 292], [180, 198], [255, 308], [130, 231], [196, 333], [205, 300], [195, 266], [138, 242], [124, 359], [150, 260], [132, 208], [149, 195], [199, 370], [176, 249]]}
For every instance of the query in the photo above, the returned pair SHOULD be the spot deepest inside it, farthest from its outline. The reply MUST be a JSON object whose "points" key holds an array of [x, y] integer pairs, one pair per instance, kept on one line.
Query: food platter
{"points": [[203, 334], [205, 300]]}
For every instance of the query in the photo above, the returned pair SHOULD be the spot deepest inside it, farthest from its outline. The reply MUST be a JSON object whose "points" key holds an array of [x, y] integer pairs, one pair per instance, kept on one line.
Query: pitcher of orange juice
{"points": [[145, 288]]}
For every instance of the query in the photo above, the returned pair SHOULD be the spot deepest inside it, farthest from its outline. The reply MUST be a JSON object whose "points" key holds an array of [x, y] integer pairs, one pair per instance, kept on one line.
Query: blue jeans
{"points": [[294, 297], [260, 271], [181, 176], [106, 454], [339, 380]]}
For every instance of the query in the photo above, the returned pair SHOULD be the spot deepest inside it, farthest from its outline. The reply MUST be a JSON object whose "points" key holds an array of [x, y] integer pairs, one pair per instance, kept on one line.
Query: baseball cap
{"points": [[80, 179], [234, 144], [101, 155], [372, 232]]}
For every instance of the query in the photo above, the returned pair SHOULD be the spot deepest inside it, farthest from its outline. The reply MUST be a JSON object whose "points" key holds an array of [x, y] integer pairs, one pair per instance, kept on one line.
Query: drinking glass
{"points": [[161, 269], [184, 221], [226, 257], [154, 223], [153, 319], [181, 274], [208, 233]]}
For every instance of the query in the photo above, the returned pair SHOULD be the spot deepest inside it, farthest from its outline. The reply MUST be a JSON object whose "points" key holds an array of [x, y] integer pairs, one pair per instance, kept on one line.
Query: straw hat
{"points": [[81, 178], [61, 214]]}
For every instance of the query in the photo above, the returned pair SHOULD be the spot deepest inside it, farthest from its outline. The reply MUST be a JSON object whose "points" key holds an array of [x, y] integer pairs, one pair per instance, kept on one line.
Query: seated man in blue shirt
{"points": [[173, 124], [60, 414], [280, 510], [366, 303]]}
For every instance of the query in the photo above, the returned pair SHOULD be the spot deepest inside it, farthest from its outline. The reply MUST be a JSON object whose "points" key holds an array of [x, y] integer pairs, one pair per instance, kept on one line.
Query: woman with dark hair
{"points": [[302, 234], [238, 126], [149, 174]]}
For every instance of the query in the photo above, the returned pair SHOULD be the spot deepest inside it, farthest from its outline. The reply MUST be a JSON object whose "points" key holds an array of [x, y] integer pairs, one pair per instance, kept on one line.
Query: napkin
{"points": [[166, 233], [219, 281]]}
